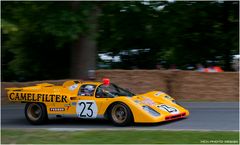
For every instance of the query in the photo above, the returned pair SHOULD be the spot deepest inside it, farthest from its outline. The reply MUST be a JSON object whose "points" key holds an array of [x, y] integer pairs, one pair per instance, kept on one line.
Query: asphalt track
{"points": [[204, 116]]}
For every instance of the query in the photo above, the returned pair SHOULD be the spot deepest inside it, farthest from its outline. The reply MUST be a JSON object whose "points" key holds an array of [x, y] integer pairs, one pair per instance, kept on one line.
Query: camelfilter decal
{"points": [[57, 109]]}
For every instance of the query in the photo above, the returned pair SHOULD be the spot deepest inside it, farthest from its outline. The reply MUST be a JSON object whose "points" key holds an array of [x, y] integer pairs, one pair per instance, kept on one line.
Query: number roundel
{"points": [[169, 109], [86, 109]]}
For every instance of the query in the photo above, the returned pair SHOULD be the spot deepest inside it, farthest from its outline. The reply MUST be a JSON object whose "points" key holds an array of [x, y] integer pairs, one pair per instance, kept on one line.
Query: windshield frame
{"points": [[121, 91]]}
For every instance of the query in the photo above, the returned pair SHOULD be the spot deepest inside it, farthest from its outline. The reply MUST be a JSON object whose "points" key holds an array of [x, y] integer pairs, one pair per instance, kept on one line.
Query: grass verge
{"points": [[40, 136]]}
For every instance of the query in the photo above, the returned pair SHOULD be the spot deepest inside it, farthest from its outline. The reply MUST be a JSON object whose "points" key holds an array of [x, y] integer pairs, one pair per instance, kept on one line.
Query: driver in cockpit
{"points": [[89, 90]]}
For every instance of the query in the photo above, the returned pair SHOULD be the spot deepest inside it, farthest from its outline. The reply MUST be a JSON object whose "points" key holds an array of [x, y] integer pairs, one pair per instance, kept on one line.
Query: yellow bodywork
{"points": [[65, 100]]}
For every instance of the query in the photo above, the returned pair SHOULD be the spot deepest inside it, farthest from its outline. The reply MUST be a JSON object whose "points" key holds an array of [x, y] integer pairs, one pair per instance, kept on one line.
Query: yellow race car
{"points": [[92, 100]]}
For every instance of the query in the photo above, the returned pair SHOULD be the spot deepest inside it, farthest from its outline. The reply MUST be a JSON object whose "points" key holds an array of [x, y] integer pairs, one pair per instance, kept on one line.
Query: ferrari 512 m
{"points": [[92, 100]]}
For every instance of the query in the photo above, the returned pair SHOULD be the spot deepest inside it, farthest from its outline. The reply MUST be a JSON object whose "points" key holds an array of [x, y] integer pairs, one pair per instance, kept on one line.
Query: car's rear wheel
{"points": [[36, 113], [121, 115]]}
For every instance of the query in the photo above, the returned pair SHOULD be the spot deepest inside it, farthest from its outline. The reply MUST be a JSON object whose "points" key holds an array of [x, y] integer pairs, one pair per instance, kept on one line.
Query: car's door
{"points": [[88, 106], [103, 98]]}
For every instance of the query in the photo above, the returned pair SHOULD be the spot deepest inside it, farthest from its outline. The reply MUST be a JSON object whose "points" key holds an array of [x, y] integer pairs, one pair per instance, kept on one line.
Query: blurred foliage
{"points": [[40, 49], [180, 33], [37, 36]]}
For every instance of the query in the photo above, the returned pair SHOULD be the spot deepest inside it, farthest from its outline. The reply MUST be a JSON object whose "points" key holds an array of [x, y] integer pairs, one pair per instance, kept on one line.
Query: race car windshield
{"points": [[112, 90]]}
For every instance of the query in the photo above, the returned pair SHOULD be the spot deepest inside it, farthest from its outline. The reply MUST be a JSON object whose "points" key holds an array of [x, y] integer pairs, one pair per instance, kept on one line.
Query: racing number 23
{"points": [[86, 109]]}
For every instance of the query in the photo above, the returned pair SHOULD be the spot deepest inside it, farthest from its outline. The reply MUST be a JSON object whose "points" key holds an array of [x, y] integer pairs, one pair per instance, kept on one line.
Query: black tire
{"points": [[120, 114], [36, 113]]}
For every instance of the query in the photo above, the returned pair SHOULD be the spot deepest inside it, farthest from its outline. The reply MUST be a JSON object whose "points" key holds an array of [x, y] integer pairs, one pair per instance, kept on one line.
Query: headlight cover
{"points": [[168, 97], [151, 111]]}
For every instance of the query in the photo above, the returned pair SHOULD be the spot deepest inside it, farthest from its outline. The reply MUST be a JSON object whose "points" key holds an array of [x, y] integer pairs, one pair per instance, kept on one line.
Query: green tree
{"points": [[52, 40], [179, 33], [48, 33]]}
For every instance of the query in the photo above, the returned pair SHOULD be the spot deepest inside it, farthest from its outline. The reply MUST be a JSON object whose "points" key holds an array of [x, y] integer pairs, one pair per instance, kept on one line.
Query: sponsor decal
{"points": [[74, 103], [148, 101], [57, 109], [37, 97], [67, 105], [73, 87], [86, 109]]}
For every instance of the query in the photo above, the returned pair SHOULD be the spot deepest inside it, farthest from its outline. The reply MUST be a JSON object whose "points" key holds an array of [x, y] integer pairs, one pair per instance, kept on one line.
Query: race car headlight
{"points": [[174, 101], [168, 97], [150, 111]]}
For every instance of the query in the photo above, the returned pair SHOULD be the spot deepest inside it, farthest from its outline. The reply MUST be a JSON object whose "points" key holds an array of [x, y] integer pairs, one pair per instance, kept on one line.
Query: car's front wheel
{"points": [[36, 113], [120, 114]]}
